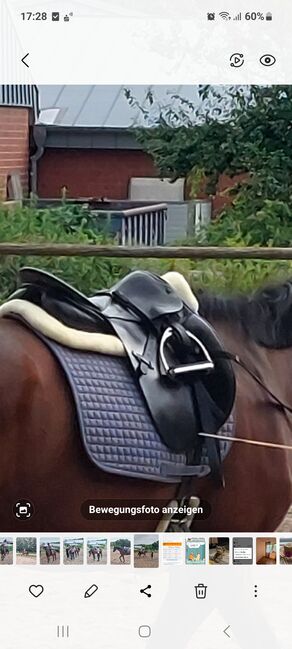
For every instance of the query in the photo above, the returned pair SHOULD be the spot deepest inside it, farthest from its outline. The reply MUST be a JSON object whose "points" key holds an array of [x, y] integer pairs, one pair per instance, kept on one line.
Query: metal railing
{"points": [[144, 226], [131, 223]]}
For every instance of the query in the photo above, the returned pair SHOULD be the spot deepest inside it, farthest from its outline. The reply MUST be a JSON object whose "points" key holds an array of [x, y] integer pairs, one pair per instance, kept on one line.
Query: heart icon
{"points": [[36, 591]]}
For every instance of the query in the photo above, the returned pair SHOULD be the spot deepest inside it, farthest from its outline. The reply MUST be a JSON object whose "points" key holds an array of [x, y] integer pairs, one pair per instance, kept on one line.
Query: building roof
{"points": [[105, 106]]}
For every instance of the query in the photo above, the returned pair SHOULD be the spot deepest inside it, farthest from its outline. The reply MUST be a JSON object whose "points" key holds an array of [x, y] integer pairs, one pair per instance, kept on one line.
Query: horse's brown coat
{"points": [[42, 458]]}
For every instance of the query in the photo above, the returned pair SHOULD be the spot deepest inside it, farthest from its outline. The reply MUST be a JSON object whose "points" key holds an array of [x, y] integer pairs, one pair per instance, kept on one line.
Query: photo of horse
{"points": [[50, 551], [73, 551], [216, 327], [96, 551], [120, 552], [26, 550], [146, 551], [6, 551]]}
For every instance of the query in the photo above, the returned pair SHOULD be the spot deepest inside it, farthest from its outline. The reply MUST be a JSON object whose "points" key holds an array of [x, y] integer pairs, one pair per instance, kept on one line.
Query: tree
{"points": [[233, 130], [26, 543]]}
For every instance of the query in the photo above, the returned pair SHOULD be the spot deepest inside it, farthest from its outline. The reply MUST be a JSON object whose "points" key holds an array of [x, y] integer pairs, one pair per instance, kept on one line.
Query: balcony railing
{"points": [[143, 226]]}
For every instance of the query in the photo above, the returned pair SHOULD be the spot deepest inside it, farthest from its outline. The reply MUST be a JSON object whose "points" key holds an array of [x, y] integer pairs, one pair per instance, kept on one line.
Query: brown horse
{"points": [[50, 553], [42, 458]]}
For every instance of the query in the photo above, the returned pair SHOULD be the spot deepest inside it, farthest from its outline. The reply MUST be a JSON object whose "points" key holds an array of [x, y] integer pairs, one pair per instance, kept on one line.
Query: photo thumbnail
{"points": [[219, 551], [26, 551], [266, 551], [73, 553], [286, 550], [6, 551], [96, 551], [146, 551], [50, 551], [120, 551]]}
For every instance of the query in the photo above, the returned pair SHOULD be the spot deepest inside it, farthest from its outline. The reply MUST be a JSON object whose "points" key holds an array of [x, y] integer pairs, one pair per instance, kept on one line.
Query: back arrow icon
{"points": [[225, 631], [24, 61]]}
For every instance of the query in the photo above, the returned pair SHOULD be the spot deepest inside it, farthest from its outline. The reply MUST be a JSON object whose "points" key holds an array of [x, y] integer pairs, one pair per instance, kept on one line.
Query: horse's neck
{"points": [[234, 340], [272, 366]]}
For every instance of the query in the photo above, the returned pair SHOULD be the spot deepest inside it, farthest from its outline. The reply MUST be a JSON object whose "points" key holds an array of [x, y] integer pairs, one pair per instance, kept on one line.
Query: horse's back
{"points": [[27, 363], [36, 410]]}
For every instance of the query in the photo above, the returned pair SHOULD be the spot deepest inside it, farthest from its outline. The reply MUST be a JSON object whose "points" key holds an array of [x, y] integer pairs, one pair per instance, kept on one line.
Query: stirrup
{"points": [[172, 522], [207, 364]]}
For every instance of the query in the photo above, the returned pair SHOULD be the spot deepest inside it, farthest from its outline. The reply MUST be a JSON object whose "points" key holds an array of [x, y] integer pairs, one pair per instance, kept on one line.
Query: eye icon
{"points": [[267, 60]]}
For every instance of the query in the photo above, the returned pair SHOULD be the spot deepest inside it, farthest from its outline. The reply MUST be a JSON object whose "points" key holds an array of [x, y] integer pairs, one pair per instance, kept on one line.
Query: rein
{"points": [[238, 361], [243, 440], [169, 522]]}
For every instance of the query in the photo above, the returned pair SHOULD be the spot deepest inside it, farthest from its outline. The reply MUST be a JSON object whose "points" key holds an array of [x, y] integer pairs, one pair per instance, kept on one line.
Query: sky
{"points": [[145, 539]]}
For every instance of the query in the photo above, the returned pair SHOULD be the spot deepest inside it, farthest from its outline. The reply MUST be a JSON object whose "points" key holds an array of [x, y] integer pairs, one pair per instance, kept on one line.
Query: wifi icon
{"points": [[225, 15]]}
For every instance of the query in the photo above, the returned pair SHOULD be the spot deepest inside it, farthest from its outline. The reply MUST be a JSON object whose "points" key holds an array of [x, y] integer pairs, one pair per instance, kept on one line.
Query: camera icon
{"points": [[211, 15]]}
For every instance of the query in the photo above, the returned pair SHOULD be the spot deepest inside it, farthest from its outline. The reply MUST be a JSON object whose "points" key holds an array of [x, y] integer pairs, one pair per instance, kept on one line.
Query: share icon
{"points": [[144, 591]]}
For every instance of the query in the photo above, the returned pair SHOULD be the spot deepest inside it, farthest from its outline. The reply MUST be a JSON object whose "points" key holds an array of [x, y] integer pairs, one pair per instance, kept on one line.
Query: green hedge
{"points": [[63, 225], [89, 274]]}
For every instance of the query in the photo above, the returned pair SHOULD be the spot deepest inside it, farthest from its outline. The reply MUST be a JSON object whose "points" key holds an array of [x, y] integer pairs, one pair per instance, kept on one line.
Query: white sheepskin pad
{"points": [[87, 341]]}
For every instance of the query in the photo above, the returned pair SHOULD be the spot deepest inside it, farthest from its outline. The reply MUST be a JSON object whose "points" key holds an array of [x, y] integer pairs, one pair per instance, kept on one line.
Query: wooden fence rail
{"points": [[161, 252]]}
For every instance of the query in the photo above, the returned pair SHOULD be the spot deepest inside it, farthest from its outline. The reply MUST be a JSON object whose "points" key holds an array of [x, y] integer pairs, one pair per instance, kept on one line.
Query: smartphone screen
{"points": [[145, 337]]}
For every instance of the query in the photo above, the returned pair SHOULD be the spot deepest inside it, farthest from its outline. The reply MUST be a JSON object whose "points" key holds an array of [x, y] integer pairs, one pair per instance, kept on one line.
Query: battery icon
{"points": [[269, 16]]}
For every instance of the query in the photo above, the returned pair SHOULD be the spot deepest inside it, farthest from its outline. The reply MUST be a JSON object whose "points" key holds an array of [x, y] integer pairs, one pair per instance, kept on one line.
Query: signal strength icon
{"points": [[225, 15], [238, 17]]}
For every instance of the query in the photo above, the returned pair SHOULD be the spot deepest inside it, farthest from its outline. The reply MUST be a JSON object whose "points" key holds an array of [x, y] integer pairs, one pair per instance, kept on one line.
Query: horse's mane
{"points": [[265, 316]]}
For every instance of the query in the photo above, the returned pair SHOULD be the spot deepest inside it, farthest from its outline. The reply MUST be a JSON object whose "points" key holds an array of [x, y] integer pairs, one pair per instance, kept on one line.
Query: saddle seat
{"points": [[176, 357]]}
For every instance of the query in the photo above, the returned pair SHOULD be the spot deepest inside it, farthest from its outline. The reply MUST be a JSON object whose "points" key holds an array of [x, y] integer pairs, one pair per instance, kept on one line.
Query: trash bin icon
{"points": [[201, 591]]}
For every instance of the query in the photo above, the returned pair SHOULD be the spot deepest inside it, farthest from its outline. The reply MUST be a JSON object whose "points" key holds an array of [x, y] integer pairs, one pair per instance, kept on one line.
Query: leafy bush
{"points": [[90, 274], [233, 130], [55, 225], [234, 276], [243, 224]]}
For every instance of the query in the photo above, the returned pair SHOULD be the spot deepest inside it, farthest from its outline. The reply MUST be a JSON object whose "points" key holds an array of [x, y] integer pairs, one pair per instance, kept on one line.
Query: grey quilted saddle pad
{"points": [[117, 430]]}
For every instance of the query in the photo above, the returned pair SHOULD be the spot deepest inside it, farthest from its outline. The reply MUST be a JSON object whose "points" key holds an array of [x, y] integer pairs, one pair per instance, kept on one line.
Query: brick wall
{"points": [[103, 172], [94, 172], [222, 198], [14, 145]]}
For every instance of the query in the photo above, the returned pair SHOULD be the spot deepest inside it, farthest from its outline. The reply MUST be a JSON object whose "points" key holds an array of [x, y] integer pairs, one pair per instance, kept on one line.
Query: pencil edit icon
{"points": [[90, 591]]}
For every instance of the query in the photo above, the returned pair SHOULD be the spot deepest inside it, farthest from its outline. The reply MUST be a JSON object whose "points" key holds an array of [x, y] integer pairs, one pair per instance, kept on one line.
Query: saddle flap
{"points": [[147, 294]]}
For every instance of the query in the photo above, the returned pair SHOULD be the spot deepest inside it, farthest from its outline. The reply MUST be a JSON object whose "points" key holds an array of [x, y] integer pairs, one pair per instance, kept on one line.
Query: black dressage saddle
{"points": [[177, 359]]}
